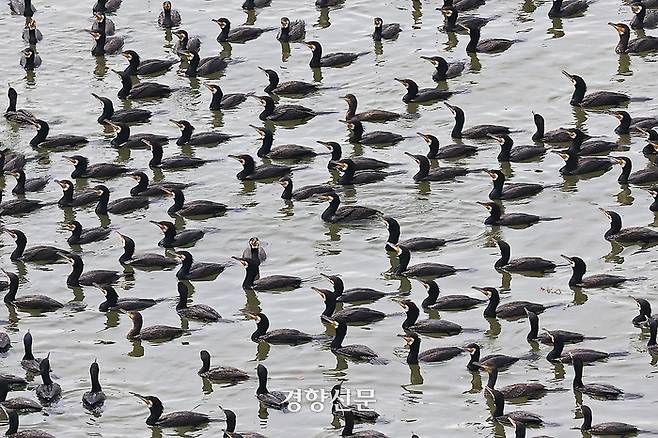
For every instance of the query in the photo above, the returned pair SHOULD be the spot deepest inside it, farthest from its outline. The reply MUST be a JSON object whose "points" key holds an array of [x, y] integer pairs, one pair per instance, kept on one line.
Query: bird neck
{"points": [[412, 92], [622, 46], [357, 133], [13, 418], [41, 135], [615, 226], [459, 124], [185, 135], [103, 201], [108, 110], [624, 126], [329, 212], [268, 110], [494, 300], [403, 262], [76, 271], [13, 97], [505, 151], [261, 329], [76, 232], [156, 151], [193, 66], [555, 9], [578, 374], [128, 251], [154, 415], [540, 125], [287, 191], [223, 35], [432, 295], [182, 304], [493, 377], [216, 102], [339, 337], [653, 330], [412, 316], [579, 91], [266, 145], [273, 79], [99, 47], [556, 352], [316, 58], [10, 296], [393, 232], [95, 383], [414, 349], [251, 274], [534, 329], [494, 215], [504, 249], [440, 74], [80, 169], [474, 40], [179, 201], [351, 111], [329, 304], [126, 86], [625, 172], [21, 243]]}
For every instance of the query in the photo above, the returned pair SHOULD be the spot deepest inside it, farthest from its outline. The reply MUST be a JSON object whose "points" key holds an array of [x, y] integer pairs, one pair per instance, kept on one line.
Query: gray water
{"points": [[436, 400]]}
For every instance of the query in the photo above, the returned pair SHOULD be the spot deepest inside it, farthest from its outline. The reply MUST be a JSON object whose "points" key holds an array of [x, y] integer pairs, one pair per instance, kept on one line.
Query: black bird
{"points": [[454, 150], [510, 191], [334, 213], [230, 415], [644, 176], [352, 351], [337, 59], [188, 137], [575, 165], [645, 314], [291, 30], [267, 398], [41, 303], [592, 147], [76, 278], [432, 326], [338, 408], [80, 237], [265, 171], [219, 374], [174, 162], [375, 137], [426, 173], [500, 361], [455, 23], [254, 251], [557, 354], [252, 279], [597, 390], [496, 217], [143, 90], [443, 69], [351, 315], [21, 405], [71, 199], [104, 45], [643, 19], [627, 235], [11, 160], [38, 254], [29, 59], [427, 269], [22, 7], [463, 5], [568, 8], [117, 206], [284, 336], [387, 32], [31, 34], [304, 192], [250, 5], [12, 417], [145, 188], [222, 101], [283, 113], [652, 146], [240, 34], [476, 45], [547, 336], [437, 354], [596, 99], [282, 152], [48, 391], [634, 124], [610, 428], [185, 43], [523, 264], [126, 304], [362, 163], [102, 24], [173, 238], [131, 115], [197, 312], [515, 390], [155, 333], [146, 261], [375, 115], [554, 136], [477, 131], [527, 418], [137, 66], [94, 398], [124, 139], [209, 66], [42, 140], [642, 44], [352, 295], [652, 346], [446, 302], [99, 170], [17, 207], [509, 310], [351, 176], [172, 419], [21, 116], [516, 153], [190, 270], [348, 428], [107, 6], [412, 244], [274, 86], [578, 278], [422, 95], [29, 362], [193, 208], [169, 17], [24, 185]]}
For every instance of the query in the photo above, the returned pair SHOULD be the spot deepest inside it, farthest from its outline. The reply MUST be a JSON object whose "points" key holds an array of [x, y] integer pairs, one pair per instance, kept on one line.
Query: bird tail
{"points": [[550, 218], [378, 361]]}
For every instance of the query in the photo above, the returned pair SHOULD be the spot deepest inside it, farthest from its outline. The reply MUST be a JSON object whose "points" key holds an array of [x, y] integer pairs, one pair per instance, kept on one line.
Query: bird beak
{"points": [[567, 75], [482, 290]]}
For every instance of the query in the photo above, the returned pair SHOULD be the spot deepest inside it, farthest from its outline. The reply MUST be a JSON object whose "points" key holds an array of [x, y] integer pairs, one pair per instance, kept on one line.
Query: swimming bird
{"points": [[71, 199], [508, 310], [285, 336], [197, 312], [477, 131], [173, 238], [82, 168], [439, 173], [609, 428], [593, 100], [282, 152], [509, 152], [24, 185], [12, 416], [568, 8], [427, 269], [48, 391], [283, 113], [275, 86], [432, 326], [446, 302], [43, 140], [643, 19], [627, 235], [443, 69], [496, 217], [137, 66], [154, 333], [31, 34], [477, 45], [219, 374], [30, 60], [252, 279], [501, 190], [371, 138], [130, 115], [240, 34], [252, 172], [104, 45], [190, 270], [222, 101], [117, 206], [337, 59], [267, 398], [188, 137], [186, 43], [385, 32], [80, 236], [143, 90], [22, 7], [422, 95], [206, 67], [412, 244], [144, 261], [21, 405], [76, 278], [357, 352], [145, 188], [169, 17], [375, 115], [291, 30], [95, 397], [18, 116], [172, 419], [124, 138], [523, 264], [642, 44], [304, 192], [334, 213], [126, 304], [41, 303], [35, 254]]}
